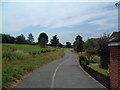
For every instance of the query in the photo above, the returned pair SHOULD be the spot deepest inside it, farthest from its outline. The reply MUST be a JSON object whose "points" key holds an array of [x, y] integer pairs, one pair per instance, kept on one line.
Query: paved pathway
{"points": [[63, 73]]}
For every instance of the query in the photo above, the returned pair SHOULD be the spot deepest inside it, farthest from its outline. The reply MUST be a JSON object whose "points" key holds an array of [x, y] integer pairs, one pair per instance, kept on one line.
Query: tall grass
{"points": [[17, 64], [31, 49], [8, 53]]}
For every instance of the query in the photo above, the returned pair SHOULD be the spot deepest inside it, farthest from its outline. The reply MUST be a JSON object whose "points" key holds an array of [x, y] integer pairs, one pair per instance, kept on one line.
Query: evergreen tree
{"points": [[54, 41], [78, 44]]}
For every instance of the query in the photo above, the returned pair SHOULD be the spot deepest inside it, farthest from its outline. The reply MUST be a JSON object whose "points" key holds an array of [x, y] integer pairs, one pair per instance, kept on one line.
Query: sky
{"points": [[64, 19]]}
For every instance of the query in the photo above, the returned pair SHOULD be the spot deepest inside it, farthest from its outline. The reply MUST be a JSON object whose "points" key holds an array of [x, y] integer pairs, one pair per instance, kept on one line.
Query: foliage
{"points": [[60, 45], [90, 45], [15, 66], [43, 39], [78, 44], [30, 38], [8, 55], [103, 51], [7, 38], [68, 44], [54, 41], [100, 70], [20, 39], [90, 58], [83, 60], [31, 49]]}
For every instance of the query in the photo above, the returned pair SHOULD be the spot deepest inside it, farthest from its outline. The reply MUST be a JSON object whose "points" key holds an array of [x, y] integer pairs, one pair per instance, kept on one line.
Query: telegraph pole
{"points": [[118, 5]]}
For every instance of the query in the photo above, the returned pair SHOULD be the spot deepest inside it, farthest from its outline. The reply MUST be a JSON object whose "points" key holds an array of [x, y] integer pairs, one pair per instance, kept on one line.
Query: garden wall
{"points": [[104, 80]]}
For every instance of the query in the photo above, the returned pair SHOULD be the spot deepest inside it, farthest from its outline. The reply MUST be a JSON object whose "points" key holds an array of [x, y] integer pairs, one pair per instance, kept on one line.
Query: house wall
{"points": [[115, 66]]}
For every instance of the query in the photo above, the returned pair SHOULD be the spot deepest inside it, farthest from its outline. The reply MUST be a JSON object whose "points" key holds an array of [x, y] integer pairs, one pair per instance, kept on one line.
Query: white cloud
{"points": [[109, 23], [17, 16], [80, 19]]}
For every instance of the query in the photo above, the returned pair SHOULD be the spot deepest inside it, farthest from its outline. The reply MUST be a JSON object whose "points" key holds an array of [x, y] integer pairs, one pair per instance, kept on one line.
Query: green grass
{"points": [[17, 61], [100, 70], [31, 49]]}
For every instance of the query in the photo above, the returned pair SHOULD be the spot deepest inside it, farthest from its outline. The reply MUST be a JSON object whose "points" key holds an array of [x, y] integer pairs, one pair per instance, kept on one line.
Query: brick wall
{"points": [[115, 66]]}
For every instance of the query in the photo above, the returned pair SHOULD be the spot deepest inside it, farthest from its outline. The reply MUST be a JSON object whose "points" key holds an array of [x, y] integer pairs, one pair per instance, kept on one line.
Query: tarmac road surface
{"points": [[62, 73]]}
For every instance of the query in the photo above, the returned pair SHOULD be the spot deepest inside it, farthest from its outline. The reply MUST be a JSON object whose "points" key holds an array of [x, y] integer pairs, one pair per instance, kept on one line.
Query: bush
{"points": [[83, 60], [103, 51]]}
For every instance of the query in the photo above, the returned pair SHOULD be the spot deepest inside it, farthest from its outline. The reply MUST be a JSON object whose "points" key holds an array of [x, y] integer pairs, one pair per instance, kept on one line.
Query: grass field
{"points": [[18, 60]]}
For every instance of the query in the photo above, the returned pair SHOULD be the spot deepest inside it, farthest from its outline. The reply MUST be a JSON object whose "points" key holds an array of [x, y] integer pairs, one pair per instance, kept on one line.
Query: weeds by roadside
{"points": [[16, 63]]}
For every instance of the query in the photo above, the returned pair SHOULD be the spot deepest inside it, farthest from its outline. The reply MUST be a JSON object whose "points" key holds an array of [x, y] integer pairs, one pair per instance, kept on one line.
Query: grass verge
{"points": [[15, 65], [100, 70]]}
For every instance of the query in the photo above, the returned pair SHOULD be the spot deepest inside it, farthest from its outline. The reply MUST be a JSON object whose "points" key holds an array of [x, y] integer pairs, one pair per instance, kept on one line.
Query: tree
{"points": [[60, 45], [90, 45], [7, 38], [78, 44], [54, 41], [103, 51], [43, 39], [68, 44], [12, 39], [30, 38], [20, 39]]}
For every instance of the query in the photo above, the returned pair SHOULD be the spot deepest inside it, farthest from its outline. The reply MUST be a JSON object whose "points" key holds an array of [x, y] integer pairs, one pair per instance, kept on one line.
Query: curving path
{"points": [[62, 73]]}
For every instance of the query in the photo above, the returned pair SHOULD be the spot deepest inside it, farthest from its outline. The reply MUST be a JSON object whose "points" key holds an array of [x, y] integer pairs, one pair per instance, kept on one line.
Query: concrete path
{"points": [[63, 73]]}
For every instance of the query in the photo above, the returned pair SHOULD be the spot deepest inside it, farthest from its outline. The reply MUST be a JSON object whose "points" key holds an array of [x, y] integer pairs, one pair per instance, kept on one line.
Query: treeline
{"points": [[42, 40], [90, 46], [18, 40]]}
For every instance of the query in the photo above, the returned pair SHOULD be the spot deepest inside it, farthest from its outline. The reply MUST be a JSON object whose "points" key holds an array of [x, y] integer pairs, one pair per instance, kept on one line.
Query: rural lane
{"points": [[62, 73]]}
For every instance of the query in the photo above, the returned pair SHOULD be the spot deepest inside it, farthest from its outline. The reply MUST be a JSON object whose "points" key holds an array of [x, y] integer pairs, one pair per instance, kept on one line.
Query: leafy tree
{"points": [[7, 38], [43, 39], [30, 38], [20, 39], [90, 45], [103, 51], [60, 45], [54, 41], [68, 44], [78, 44], [12, 39]]}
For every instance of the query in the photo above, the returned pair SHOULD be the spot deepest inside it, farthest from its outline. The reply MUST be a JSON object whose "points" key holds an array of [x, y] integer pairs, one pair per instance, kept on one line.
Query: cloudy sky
{"points": [[64, 19]]}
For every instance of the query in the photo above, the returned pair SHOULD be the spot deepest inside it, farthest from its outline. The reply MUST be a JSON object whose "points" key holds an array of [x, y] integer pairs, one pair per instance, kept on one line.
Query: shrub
{"points": [[90, 45], [103, 50], [83, 60]]}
